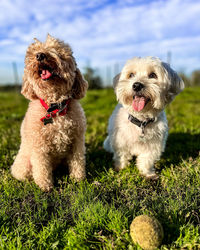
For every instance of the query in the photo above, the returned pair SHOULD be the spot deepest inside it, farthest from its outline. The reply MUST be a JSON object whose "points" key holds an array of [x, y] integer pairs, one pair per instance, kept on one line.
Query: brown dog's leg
{"points": [[21, 168], [76, 161], [42, 170]]}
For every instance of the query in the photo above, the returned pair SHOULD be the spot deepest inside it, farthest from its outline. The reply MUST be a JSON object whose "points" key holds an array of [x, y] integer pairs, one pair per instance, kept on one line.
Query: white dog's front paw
{"points": [[152, 176], [121, 162], [149, 173], [119, 166]]}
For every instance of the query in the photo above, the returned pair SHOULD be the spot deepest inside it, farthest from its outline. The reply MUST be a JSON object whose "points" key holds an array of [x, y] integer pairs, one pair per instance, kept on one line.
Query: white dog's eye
{"points": [[131, 75], [153, 75]]}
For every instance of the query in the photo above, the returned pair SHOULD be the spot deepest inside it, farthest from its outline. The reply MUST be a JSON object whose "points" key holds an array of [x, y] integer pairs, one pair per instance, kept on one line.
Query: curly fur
{"points": [[125, 139], [44, 147]]}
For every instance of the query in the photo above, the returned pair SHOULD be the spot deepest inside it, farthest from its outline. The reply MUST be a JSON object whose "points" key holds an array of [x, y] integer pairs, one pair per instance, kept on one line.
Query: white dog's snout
{"points": [[137, 86]]}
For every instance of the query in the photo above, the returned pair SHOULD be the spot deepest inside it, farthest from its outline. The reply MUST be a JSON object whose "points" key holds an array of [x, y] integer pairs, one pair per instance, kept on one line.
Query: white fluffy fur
{"points": [[125, 139]]}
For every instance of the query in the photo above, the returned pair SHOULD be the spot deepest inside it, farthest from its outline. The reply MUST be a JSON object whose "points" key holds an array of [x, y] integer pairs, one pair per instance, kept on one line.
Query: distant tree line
{"points": [[10, 87], [95, 81], [192, 80]]}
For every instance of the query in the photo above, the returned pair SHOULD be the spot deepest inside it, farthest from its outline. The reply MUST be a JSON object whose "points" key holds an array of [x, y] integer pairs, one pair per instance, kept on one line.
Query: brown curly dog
{"points": [[53, 130]]}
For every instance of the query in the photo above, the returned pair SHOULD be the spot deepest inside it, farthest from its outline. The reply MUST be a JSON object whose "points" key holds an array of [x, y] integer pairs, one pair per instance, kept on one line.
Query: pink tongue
{"points": [[45, 74], [138, 103]]}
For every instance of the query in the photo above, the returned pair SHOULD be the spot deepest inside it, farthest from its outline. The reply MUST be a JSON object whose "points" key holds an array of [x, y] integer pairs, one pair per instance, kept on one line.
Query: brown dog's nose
{"points": [[40, 56], [137, 86]]}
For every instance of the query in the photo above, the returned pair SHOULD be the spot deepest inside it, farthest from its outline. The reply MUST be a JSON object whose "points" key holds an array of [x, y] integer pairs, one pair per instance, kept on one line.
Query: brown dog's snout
{"points": [[40, 57], [137, 86]]}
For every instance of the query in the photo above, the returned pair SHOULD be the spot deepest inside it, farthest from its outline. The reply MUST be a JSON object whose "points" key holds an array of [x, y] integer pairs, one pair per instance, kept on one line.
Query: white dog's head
{"points": [[146, 85]]}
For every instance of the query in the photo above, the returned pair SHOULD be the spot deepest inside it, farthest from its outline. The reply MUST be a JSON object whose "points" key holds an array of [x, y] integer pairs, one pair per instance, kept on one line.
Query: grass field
{"points": [[96, 213]]}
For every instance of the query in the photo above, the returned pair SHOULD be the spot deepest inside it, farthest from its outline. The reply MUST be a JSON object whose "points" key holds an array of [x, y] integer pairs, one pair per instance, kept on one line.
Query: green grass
{"points": [[96, 213]]}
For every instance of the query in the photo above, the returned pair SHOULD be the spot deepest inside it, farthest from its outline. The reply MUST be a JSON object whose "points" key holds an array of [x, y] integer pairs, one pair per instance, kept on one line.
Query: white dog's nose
{"points": [[137, 86]]}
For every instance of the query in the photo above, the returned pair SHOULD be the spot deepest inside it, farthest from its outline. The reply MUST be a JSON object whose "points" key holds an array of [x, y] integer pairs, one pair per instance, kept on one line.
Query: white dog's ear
{"points": [[116, 80], [176, 84], [80, 86]]}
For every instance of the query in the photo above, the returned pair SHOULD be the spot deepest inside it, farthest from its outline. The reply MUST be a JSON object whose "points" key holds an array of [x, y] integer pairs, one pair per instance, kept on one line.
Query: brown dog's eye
{"points": [[131, 75], [153, 75]]}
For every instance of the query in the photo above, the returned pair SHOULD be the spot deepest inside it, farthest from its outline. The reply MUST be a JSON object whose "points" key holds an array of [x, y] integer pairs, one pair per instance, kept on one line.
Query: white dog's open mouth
{"points": [[139, 102]]}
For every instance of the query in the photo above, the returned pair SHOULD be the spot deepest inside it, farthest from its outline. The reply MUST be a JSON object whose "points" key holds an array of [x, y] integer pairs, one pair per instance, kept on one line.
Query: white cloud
{"points": [[104, 32]]}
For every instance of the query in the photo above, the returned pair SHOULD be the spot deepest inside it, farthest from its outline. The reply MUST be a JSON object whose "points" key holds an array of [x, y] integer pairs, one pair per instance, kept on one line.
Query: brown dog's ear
{"points": [[80, 86], [27, 89], [116, 79]]}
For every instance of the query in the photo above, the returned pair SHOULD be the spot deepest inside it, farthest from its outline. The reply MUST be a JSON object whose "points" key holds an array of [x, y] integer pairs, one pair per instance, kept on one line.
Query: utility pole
{"points": [[16, 76], [116, 69], [108, 76], [169, 57]]}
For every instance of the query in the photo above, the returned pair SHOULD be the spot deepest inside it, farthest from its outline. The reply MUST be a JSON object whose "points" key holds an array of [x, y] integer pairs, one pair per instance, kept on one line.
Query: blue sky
{"points": [[102, 33]]}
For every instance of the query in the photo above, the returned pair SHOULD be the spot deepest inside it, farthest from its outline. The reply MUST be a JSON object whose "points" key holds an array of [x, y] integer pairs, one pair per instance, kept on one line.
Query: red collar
{"points": [[60, 108]]}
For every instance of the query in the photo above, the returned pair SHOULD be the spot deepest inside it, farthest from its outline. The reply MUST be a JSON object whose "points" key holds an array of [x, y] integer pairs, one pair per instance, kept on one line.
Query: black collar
{"points": [[141, 124]]}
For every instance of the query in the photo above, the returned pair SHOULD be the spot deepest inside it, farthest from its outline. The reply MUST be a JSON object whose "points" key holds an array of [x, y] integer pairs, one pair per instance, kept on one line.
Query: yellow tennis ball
{"points": [[147, 232]]}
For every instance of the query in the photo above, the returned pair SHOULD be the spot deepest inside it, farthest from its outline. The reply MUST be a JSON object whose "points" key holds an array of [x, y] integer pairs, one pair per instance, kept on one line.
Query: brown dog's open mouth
{"points": [[45, 72], [139, 102]]}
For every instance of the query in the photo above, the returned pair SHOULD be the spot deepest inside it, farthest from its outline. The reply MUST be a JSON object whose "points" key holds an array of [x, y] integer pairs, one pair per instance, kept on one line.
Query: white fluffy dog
{"points": [[138, 125]]}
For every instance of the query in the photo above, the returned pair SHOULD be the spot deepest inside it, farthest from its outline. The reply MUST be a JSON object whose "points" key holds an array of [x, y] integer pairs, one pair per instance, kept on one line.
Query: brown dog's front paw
{"points": [[45, 186], [77, 177]]}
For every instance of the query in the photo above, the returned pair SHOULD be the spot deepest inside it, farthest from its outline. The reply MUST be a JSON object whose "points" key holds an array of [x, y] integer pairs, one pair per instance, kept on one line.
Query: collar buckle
{"points": [[48, 119], [141, 124], [54, 110]]}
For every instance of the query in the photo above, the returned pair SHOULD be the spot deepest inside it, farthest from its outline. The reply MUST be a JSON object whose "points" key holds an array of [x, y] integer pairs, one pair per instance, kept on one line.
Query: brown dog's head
{"points": [[51, 72]]}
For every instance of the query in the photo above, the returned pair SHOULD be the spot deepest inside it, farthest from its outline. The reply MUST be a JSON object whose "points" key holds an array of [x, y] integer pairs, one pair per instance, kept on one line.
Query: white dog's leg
{"points": [[42, 170], [76, 161], [21, 168], [145, 163], [107, 146], [121, 160]]}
